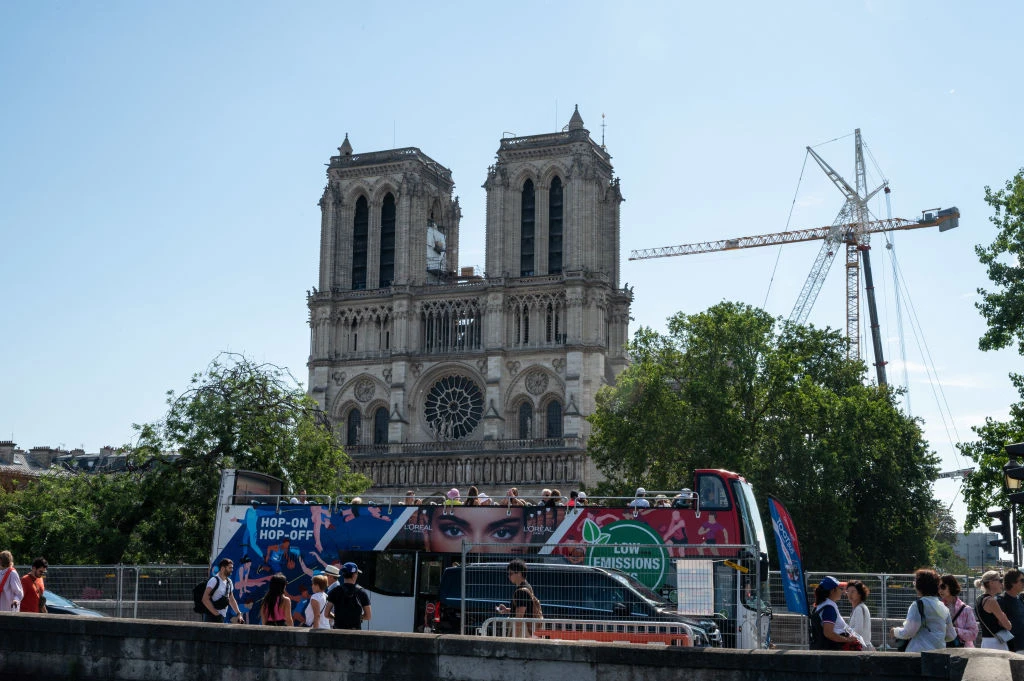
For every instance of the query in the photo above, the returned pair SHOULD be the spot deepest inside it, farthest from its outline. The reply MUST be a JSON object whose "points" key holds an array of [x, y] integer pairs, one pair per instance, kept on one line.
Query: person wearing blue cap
{"points": [[349, 603], [833, 633]]}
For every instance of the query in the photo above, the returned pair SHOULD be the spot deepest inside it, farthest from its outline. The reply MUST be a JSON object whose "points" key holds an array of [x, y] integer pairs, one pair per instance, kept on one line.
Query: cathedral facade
{"points": [[437, 376]]}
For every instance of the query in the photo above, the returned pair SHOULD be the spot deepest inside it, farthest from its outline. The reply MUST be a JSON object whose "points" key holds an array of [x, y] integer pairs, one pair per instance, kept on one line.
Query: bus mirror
{"points": [[762, 567]]}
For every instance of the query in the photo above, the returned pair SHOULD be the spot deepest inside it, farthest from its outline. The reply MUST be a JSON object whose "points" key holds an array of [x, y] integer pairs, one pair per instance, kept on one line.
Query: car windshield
{"points": [[641, 588], [55, 599]]}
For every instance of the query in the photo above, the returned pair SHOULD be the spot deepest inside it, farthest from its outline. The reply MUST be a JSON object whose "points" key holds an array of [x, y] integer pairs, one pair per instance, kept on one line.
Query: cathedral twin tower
{"points": [[436, 376]]}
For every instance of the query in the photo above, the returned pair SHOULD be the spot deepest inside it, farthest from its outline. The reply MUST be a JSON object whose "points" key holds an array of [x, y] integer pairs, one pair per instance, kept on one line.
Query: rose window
{"points": [[453, 408]]}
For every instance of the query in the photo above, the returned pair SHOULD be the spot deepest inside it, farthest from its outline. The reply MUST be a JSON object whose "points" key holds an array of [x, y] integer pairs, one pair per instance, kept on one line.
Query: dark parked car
{"points": [[566, 592], [58, 605]]}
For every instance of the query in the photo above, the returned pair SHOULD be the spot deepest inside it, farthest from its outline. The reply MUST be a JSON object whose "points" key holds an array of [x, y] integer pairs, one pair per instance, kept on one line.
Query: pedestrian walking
{"points": [[524, 601], [964, 622], [220, 594], [995, 626], [928, 625], [349, 604], [11, 591], [33, 586]]}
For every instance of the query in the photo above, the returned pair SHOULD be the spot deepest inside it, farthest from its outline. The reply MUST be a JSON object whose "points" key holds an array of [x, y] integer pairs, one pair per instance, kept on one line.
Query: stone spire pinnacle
{"points": [[576, 122], [346, 147]]}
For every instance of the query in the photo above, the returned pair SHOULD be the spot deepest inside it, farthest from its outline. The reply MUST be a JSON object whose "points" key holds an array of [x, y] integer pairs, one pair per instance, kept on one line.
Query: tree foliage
{"points": [[1003, 308], [235, 414], [984, 488], [780, 404]]}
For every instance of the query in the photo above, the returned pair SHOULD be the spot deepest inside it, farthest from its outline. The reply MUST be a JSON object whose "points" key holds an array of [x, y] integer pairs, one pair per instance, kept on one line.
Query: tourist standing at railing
{"points": [[1009, 601], [34, 587], [10, 584], [860, 618], [963, 615], [928, 625], [991, 617], [276, 610], [639, 499]]}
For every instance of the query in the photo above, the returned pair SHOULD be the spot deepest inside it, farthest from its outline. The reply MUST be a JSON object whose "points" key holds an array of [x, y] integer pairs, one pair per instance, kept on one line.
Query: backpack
{"points": [[199, 590], [349, 613], [816, 633]]}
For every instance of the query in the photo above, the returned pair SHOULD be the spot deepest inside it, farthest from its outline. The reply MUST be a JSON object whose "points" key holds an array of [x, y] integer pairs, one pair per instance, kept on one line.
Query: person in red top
{"points": [[33, 586]]}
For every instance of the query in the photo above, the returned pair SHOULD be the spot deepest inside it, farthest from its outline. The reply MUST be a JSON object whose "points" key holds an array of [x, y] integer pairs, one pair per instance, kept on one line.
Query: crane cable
{"points": [[789, 218]]}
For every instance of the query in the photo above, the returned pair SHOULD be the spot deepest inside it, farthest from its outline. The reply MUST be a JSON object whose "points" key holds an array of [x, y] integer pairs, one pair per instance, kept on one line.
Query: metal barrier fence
{"points": [[712, 588], [661, 633], [891, 595], [133, 591]]}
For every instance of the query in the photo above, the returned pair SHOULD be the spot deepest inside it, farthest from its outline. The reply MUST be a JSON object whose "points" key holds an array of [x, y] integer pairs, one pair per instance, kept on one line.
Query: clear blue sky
{"points": [[160, 165]]}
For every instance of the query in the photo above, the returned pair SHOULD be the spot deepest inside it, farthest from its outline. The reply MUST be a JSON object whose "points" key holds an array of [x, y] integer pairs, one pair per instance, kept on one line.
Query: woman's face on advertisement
{"points": [[477, 525]]}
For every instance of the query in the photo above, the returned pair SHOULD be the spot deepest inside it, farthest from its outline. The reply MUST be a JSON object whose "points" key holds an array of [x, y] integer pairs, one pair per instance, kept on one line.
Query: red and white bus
{"points": [[713, 536]]}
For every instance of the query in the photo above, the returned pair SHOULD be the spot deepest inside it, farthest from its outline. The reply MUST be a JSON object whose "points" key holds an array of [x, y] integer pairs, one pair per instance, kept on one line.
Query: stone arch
{"points": [[382, 189], [381, 391], [525, 173], [550, 171], [518, 387], [355, 190]]}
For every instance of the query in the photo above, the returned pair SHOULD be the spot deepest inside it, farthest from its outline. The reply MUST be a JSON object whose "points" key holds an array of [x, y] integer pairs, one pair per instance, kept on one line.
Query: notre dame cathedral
{"points": [[438, 376]]}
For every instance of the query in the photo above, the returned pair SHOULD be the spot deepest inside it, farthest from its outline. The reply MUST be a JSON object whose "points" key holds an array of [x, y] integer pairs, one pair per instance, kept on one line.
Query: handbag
{"points": [[957, 642]]}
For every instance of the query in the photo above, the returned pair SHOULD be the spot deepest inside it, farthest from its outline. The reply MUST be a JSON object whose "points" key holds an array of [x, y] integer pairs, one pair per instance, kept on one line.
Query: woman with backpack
{"points": [[829, 629], [928, 625]]}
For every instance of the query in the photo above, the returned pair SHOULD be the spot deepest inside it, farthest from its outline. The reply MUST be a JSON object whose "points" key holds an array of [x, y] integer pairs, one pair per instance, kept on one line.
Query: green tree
{"points": [[1003, 308], [234, 414], [781, 404]]}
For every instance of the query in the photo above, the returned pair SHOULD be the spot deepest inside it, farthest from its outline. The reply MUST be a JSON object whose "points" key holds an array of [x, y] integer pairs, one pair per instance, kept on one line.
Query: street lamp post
{"points": [[1013, 480]]}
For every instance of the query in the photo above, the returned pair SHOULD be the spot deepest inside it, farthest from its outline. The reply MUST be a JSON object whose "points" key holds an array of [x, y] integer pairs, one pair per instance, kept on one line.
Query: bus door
{"points": [[428, 588]]}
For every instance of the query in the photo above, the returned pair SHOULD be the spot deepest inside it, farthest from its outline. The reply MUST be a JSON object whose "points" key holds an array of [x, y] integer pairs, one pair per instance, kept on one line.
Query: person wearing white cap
{"points": [[639, 501]]}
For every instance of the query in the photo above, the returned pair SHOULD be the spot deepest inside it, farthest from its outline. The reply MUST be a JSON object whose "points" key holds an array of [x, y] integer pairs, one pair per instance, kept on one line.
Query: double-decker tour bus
{"points": [[705, 554]]}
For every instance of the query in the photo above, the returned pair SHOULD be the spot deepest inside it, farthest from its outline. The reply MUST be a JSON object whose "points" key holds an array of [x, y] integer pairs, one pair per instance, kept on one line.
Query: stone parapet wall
{"points": [[53, 647]]}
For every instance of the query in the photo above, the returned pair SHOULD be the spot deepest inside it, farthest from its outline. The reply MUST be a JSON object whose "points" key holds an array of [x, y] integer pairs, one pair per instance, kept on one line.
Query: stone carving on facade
{"points": [[364, 389], [513, 367], [416, 368], [558, 364], [387, 375], [481, 365], [338, 377], [536, 382]]}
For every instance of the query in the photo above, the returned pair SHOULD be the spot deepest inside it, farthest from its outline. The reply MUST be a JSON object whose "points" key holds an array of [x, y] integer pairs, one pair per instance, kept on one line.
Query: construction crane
{"points": [[851, 227], [962, 473]]}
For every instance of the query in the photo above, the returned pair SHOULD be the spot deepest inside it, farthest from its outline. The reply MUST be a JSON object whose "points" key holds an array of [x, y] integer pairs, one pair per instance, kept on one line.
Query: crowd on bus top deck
{"points": [[548, 498]]}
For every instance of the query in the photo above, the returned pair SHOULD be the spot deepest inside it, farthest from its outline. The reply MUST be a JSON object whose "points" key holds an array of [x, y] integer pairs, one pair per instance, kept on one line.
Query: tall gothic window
{"points": [[360, 238], [380, 426], [387, 241], [525, 421], [554, 419], [555, 227], [354, 428], [526, 232]]}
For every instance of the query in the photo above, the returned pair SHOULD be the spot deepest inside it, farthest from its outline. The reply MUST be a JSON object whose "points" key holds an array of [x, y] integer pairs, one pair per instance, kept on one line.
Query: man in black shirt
{"points": [[522, 597], [349, 603]]}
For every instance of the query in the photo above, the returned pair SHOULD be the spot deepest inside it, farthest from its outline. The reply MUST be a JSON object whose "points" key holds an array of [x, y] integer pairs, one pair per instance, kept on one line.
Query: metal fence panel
{"points": [[134, 591]]}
